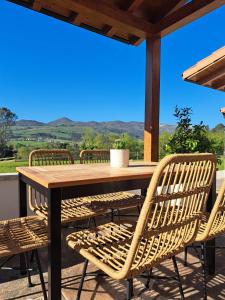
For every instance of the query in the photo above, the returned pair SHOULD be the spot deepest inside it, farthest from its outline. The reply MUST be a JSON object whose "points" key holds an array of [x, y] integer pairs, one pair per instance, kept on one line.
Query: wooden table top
{"points": [[83, 174]]}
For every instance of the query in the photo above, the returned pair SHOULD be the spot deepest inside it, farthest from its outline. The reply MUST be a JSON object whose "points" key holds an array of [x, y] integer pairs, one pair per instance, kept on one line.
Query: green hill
{"points": [[64, 129]]}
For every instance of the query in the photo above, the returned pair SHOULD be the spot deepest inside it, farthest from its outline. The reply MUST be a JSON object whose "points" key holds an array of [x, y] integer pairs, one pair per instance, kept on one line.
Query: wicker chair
{"points": [[94, 156], [72, 209], [114, 201], [78, 208], [212, 225], [21, 236], [169, 220]]}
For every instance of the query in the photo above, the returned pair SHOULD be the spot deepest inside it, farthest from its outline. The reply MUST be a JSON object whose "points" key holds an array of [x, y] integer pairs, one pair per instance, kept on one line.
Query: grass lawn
{"points": [[10, 165], [222, 166]]}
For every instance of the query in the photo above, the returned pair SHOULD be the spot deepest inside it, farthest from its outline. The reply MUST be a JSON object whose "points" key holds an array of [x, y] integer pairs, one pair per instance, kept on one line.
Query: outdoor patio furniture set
{"points": [[172, 216]]}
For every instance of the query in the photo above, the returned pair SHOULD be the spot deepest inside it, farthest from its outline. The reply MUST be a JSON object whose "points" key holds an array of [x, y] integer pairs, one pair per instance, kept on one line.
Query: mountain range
{"points": [[67, 129]]}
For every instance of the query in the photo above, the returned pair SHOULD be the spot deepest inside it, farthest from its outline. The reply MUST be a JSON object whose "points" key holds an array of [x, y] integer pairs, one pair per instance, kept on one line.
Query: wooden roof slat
{"points": [[186, 14]]}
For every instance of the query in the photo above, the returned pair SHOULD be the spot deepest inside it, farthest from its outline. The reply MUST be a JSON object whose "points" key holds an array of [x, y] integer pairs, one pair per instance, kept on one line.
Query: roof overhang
{"points": [[129, 21], [209, 72]]}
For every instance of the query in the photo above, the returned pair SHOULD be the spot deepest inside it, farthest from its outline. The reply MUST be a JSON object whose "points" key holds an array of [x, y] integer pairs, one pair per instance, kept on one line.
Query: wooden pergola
{"points": [[131, 22], [209, 72]]}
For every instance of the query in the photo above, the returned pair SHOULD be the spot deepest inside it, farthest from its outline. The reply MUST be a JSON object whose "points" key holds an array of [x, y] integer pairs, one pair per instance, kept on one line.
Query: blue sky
{"points": [[50, 69]]}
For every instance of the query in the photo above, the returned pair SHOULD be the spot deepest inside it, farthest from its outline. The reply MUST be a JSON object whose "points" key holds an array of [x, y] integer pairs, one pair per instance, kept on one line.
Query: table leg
{"points": [[22, 198], [54, 244], [143, 192], [210, 245], [22, 213]]}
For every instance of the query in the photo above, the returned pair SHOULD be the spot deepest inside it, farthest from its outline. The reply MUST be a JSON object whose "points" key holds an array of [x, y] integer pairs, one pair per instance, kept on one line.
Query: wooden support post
{"points": [[152, 94]]}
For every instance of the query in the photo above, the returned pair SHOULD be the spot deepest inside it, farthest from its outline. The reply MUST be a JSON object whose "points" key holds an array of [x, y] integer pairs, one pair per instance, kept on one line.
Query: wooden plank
{"points": [[77, 20], [37, 5], [134, 5], [138, 42], [109, 15], [211, 76], [166, 9], [186, 14], [222, 88], [74, 175], [109, 30], [152, 94], [218, 84]]}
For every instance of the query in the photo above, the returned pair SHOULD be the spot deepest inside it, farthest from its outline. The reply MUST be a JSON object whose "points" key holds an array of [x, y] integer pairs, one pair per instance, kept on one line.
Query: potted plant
{"points": [[119, 155]]}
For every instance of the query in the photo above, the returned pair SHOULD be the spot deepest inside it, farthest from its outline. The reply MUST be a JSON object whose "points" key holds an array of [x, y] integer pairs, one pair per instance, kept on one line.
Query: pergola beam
{"points": [[186, 14], [111, 15]]}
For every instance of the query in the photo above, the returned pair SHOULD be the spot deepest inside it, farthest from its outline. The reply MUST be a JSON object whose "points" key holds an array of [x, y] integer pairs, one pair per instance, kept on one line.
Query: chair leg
{"points": [[178, 277], [94, 222], [185, 256], [112, 215], [27, 263], [32, 257], [203, 270], [130, 291], [118, 214], [82, 279], [40, 274], [138, 209], [148, 279]]}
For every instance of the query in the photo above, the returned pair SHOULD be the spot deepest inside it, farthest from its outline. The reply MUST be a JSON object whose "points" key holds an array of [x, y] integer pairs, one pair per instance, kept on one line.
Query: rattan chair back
{"points": [[94, 156], [46, 157], [216, 220], [172, 210]]}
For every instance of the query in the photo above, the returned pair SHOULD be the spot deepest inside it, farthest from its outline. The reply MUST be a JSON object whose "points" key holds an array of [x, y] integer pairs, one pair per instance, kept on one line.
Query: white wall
{"points": [[9, 205]]}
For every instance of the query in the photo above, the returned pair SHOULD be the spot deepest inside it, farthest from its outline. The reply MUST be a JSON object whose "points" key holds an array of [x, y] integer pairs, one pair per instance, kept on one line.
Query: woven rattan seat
{"points": [[22, 235], [110, 244], [78, 208], [71, 210], [169, 220]]}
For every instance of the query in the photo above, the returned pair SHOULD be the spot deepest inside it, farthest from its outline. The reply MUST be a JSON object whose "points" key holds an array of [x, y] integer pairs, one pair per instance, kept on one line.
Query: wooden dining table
{"points": [[70, 181]]}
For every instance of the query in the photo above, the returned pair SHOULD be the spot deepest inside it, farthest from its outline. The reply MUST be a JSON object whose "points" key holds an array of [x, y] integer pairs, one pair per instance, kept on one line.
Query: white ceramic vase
{"points": [[119, 158]]}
